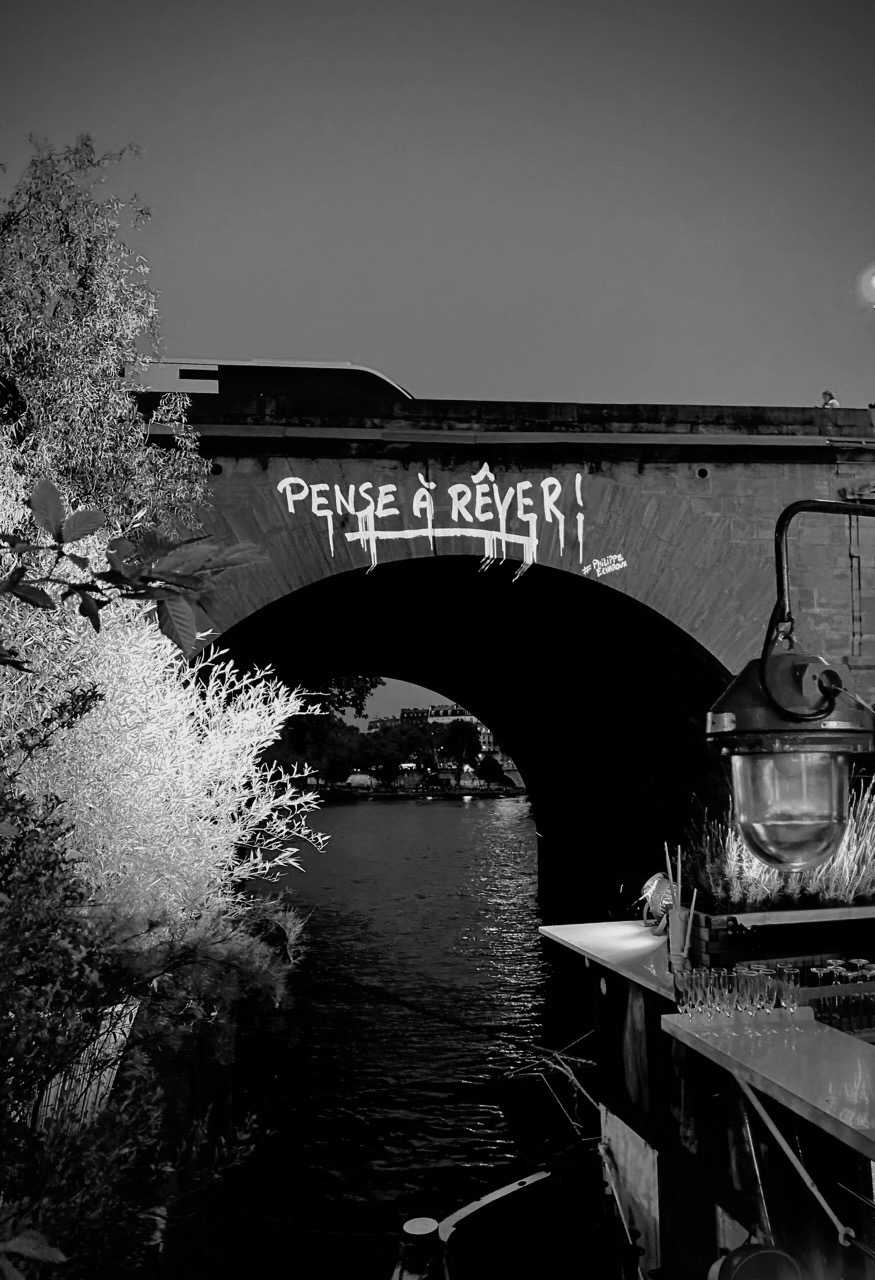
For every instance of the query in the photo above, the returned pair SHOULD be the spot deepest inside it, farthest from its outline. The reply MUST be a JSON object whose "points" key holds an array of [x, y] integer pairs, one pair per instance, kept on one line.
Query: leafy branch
{"points": [[175, 575]]}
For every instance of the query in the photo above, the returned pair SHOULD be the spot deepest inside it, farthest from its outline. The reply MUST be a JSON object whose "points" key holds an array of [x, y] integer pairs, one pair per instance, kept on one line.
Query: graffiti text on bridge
{"points": [[480, 511]]}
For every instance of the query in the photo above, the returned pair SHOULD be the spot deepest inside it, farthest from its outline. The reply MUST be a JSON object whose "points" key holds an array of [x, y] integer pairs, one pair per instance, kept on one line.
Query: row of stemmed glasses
{"points": [[705, 992], [757, 989], [748, 989]]}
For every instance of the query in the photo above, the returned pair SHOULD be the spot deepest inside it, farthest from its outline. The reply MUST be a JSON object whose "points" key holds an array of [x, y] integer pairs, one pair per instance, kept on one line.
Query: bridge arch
{"points": [[599, 699]]}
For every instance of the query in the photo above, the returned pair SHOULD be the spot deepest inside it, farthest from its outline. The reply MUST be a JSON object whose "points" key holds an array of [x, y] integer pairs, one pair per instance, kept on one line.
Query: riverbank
{"points": [[344, 794]]}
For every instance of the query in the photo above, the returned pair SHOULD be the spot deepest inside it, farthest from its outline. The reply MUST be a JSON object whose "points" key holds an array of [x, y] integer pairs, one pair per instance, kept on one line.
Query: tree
{"points": [[384, 751], [76, 315], [76, 312], [386, 748], [339, 693], [156, 765], [489, 770], [162, 779], [420, 740], [460, 742], [324, 744]]}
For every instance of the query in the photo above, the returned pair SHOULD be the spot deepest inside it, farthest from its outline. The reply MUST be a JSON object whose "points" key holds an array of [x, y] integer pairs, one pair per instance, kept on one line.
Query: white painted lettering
{"points": [[423, 504], [503, 503], [482, 502], [385, 495], [460, 495], [551, 488], [319, 505], [522, 502], [285, 486], [482, 495], [348, 503], [493, 507]]}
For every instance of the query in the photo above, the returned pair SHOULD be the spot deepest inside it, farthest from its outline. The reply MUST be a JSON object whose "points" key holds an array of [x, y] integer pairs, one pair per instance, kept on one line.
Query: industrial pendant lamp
{"points": [[788, 725]]}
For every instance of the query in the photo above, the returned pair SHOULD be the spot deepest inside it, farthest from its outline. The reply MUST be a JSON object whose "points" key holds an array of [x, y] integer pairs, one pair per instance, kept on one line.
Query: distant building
{"points": [[415, 715], [383, 722], [443, 712]]}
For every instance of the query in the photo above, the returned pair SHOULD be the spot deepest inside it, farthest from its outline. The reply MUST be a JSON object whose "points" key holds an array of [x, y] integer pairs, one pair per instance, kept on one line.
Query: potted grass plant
{"points": [[746, 909]]}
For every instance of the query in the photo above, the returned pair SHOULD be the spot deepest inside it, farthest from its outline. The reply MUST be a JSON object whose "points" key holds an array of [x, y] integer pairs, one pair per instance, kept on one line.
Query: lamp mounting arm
{"points": [[825, 506], [781, 621]]}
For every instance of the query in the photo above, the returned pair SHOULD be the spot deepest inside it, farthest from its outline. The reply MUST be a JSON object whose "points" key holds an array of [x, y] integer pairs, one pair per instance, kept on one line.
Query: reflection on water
{"points": [[423, 981]]}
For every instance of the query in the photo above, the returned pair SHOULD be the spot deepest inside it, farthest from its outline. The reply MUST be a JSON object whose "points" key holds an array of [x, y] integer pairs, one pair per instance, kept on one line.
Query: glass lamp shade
{"points": [[791, 807]]}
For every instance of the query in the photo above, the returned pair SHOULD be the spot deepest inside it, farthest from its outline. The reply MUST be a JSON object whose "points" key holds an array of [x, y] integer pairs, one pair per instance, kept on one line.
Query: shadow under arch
{"points": [[599, 700]]}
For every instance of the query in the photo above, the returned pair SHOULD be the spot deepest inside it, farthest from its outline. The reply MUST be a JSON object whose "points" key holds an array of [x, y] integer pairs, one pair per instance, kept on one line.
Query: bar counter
{"points": [[822, 1074], [678, 1129]]}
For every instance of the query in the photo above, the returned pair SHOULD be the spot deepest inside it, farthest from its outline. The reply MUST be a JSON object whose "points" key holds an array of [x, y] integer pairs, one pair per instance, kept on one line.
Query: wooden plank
{"points": [[808, 915]]}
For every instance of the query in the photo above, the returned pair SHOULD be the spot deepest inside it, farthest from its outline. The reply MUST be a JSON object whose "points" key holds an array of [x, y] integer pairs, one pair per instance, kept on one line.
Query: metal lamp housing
{"points": [[789, 777]]}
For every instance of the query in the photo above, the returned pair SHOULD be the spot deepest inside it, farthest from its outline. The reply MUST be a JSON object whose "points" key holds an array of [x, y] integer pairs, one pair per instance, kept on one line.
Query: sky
{"points": [[624, 201]]}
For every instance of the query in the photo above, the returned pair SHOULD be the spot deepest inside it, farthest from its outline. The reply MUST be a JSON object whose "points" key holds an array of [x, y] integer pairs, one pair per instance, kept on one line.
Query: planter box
{"points": [[807, 937]]}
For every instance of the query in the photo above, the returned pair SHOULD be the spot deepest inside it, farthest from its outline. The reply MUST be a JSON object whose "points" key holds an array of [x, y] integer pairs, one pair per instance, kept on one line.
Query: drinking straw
{"points": [[679, 875], [690, 923], [674, 897]]}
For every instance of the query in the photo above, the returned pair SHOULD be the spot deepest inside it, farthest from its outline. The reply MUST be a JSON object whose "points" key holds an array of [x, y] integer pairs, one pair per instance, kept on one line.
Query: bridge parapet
{"points": [[211, 413]]}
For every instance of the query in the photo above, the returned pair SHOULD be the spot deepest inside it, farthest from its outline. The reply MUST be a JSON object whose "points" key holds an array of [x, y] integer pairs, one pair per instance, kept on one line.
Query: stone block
{"points": [[742, 530]]}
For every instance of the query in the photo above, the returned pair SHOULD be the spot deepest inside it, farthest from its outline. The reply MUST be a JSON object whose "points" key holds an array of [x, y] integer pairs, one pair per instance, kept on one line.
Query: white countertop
{"points": [[822, 1074], [626, 946]]}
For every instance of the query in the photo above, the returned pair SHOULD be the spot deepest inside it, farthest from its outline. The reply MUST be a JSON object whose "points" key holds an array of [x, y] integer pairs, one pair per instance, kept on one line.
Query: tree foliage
{"points": [[172, 574], [337, 693], [168, 810], [162, 779], [384, 750], [95, 1193], [325, 744], [489, 770], [76, 312], [459, 741]]}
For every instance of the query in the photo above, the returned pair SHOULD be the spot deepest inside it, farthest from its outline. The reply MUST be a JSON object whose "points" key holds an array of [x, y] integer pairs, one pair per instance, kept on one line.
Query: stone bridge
{"points": [[584, 578]]}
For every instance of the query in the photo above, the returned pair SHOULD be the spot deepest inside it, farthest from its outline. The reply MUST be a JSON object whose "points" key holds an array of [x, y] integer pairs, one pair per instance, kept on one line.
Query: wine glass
{"points": [[683, 992], [820, 972], [746, 979], [731, 994], [791, 993], [867, 975], [767, 989], [720, 991], [839, 1004], [701, 978]]}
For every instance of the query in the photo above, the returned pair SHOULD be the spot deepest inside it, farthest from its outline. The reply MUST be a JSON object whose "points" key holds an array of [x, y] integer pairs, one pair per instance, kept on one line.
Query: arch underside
{"points": [[600, 701]]}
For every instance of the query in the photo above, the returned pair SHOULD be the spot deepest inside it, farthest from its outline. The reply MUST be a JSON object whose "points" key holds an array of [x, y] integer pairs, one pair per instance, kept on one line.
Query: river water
{"points": [[424, 982]]}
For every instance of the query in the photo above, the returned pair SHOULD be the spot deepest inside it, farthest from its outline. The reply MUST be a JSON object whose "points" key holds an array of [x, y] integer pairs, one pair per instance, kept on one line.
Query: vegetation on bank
{"points": [[136, 806], [333, 749]]}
